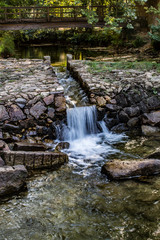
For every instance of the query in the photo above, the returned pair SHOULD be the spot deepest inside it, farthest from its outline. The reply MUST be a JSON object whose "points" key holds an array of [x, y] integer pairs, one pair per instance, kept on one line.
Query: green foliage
{"points": [[155, 29], [138, 42], [91, 15], [155, 34], [7, 47], [99, 67]]}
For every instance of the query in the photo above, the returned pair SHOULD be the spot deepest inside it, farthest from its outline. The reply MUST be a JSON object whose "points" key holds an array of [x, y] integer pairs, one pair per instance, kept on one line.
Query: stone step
{"points": [[35, 160], [25, 146]]}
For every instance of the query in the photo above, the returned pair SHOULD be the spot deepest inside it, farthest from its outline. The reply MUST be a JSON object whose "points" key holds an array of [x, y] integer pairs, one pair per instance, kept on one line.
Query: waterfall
{"points": [[81, 121]]}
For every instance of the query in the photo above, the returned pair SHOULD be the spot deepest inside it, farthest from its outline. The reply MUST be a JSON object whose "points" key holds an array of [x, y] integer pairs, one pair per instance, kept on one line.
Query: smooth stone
{"points": [[12, 179], [125, 169]]}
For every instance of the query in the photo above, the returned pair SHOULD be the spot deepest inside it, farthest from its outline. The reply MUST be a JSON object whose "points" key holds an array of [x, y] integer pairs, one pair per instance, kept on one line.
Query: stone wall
{"points": [[31, 99], [131, 98]]}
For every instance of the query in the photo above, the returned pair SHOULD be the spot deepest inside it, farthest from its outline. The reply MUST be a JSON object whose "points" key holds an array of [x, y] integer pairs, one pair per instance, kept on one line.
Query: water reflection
{"points": [[57, 53]]}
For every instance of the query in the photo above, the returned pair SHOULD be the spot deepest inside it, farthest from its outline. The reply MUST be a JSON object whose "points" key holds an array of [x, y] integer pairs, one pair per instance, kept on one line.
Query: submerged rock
{"points": [[62, 145], [12, 179], [126, 169]]}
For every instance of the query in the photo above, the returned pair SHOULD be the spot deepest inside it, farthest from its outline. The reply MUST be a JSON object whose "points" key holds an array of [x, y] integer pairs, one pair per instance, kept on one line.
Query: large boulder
{"points": [[125, 169], [12, 179], [152, 118]]}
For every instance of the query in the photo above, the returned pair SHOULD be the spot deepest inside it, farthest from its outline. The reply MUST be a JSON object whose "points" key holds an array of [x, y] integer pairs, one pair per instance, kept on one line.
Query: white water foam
{"points": [[89, 145]]}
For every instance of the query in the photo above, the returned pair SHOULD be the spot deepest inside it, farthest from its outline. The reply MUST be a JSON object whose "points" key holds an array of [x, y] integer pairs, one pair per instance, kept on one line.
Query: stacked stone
{"points": [[31, 99], [130, 98]]}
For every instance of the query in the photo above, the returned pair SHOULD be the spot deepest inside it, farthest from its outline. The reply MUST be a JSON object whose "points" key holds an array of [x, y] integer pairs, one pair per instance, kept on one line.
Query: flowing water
{"points": [[77, 202]]}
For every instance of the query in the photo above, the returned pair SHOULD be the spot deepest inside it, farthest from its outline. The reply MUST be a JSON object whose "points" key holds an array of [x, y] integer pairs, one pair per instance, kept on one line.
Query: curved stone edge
{"points": [[127, 169]]}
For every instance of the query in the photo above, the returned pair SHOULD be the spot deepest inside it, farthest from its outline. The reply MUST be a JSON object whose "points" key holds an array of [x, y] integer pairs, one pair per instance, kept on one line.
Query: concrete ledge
{"points": [[34, 160]]}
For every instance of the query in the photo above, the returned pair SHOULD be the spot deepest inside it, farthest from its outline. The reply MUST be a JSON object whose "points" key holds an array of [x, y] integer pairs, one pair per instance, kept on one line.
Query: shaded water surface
{"points": [[77, 202]]}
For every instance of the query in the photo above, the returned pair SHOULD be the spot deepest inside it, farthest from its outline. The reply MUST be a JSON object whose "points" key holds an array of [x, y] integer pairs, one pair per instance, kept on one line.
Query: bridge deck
{"points": [[15, 18]]}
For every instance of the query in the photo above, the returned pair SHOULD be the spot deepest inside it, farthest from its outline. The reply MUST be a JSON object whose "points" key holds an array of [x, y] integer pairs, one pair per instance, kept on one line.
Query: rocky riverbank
{"points": [[31, 99], [32, 102], [131, 98]]}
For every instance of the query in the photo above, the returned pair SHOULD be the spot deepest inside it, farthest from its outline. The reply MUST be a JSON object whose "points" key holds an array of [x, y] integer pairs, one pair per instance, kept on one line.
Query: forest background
{"points": [[119, 31]]}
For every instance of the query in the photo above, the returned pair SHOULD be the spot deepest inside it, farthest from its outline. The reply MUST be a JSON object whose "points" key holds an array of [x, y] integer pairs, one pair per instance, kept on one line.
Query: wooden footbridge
{"points": [[21, 18]]}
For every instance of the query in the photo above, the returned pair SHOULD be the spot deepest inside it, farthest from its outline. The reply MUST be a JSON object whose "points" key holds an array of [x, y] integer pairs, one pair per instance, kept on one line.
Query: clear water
{"points": [[77, 202]]}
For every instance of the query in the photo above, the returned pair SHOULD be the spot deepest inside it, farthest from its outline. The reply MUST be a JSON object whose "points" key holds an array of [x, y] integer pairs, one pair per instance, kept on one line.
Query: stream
{"points": [[77, 202]]}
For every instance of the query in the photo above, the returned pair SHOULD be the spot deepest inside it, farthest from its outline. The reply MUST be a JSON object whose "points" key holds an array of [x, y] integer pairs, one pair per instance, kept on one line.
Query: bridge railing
{"points": [[47, 14]]}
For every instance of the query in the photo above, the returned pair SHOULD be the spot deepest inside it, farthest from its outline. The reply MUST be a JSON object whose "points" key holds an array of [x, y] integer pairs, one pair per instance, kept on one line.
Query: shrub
{"points": [[7, 47], [155, 34]]}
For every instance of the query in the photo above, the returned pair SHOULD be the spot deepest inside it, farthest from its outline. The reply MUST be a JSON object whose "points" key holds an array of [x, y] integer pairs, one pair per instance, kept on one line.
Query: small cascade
{"points": [[81, 122]]}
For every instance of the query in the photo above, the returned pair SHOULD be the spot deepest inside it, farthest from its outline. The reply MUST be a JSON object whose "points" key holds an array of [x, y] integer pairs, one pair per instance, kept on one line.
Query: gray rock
{"points": [[150, 131], [3, 113], [121, 100], [2, 144], [60, 103], [112, 107], [12, 179], [153, 102], [21, 100], [51, 113], [133, 122], [126, 169], [132, 111], [152, 118], [11, 128], [16, 113], [2, 163], [37, 110], [49, 99], [121, 127], [123, 117]]}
